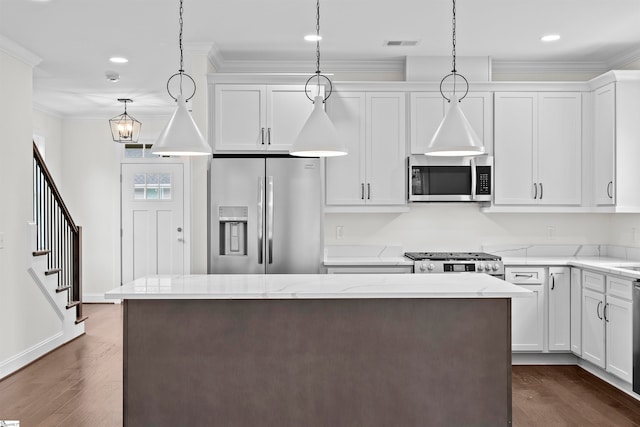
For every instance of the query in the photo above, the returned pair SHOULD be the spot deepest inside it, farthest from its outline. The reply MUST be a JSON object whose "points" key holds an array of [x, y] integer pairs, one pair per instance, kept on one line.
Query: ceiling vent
{"points": [[401, 42]]}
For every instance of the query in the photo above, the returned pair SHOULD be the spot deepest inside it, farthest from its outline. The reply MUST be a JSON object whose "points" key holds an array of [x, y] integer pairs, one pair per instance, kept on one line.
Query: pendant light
{"points": [[455, 136], [181, 136], [125, 128], [318, 137]]}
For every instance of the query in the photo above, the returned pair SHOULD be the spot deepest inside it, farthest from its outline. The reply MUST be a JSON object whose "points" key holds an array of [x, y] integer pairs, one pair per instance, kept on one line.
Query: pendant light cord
{"points": [[318, 73], [181, 72], [453, 51]]}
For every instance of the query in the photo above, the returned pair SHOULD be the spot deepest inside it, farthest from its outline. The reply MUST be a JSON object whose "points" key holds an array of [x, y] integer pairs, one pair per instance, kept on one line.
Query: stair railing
{"points": [[57, 235]]}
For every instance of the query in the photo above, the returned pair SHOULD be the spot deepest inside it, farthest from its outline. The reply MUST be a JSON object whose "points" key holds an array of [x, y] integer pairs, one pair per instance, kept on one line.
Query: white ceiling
{"points": [[75, 38]]}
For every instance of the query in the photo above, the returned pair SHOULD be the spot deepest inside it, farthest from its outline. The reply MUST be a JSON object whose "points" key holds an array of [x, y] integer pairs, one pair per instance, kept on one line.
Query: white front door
{"points": [[152, 219]]}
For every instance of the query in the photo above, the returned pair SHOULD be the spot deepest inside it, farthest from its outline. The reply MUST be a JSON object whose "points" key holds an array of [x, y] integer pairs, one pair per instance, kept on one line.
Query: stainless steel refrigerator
{"points": [[265, 215]]}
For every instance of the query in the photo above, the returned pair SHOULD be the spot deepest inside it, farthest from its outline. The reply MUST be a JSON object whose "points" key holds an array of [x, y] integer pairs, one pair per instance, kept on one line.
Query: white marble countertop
{"points": [[608, 265], [318, 286]]}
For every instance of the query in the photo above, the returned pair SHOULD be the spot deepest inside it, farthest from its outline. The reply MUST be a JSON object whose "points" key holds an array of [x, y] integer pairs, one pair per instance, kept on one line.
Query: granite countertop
{"points": [[317, 286], [610, 265]]}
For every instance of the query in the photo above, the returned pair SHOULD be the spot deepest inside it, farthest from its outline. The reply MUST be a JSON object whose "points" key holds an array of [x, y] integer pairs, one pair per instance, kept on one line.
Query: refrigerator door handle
{"points": [[260, 218], [270, 219]]}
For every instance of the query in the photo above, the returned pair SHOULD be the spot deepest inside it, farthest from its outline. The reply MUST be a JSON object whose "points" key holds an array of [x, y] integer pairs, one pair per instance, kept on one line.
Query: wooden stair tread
{"points": [[52, 271], [41, 252], [82, 319], [73, 304], [63, 288]]}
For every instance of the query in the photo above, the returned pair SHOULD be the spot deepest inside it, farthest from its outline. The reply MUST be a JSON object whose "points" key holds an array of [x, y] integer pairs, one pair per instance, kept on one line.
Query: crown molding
{"points": [[620, 61], [556, 67], [18, 52]]}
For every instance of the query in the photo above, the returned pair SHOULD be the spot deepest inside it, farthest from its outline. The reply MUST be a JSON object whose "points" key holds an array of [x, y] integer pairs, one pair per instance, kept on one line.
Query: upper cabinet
{"points": [[258, 117], [616, 147], [428, 110], [374, 172], [538, 148]]}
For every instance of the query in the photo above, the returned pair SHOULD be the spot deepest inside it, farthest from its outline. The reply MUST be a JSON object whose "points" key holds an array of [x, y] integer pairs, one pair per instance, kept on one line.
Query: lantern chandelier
{"points": [[124, 127]]}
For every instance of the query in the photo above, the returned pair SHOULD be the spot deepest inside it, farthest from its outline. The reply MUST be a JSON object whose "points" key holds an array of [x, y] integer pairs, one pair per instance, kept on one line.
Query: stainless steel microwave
{"points": [[450, 179]]}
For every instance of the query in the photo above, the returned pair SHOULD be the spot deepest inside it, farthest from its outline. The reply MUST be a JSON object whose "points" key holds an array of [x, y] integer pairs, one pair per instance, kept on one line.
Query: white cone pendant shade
{"points": [[181, 136], [318, 137], [455, 136]]}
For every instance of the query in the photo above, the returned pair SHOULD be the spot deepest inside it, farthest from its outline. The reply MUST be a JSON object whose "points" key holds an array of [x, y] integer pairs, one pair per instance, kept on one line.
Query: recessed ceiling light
{"points": [[118, 59], [312, 38], [550, 38]]}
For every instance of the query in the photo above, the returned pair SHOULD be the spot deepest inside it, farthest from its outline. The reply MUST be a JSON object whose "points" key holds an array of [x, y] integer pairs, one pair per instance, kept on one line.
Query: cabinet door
{"points": [[345, 175], [559, 148], [427, 111], [604, 133], [527, 320], [288, 109], [386, 166], [515, 135], [576, 311], [559, 309], [618, 317], [593, 329], [477, 108], [239, 117]]}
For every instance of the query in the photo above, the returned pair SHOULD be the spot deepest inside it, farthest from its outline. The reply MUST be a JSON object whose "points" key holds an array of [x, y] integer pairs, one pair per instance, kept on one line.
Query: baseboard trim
{"points": [[605, 376], [35, 352], [543, 359]]}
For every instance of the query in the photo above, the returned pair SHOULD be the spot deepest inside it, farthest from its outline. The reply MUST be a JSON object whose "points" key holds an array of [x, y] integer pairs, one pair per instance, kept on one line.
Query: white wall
{"points": [[462, 227], [27, 318], [49, 127]]}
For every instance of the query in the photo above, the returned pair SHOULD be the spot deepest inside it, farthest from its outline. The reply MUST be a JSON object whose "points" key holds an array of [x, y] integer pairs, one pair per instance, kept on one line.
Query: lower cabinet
{"points": [[559, 285], [607, 323], [576, 311], [527, 313]]}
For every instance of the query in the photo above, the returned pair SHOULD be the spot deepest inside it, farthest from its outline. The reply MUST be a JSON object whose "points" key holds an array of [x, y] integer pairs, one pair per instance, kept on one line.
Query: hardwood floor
{"points": [[80, 384]]}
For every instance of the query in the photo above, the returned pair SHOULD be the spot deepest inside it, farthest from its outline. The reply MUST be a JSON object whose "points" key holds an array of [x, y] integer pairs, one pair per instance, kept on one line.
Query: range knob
{"points": [[495, 267], [430, 267], [480, 266], [423, 266]]}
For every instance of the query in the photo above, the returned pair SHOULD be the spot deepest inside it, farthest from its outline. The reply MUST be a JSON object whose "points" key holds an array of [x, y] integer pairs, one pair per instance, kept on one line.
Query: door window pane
{"points": [[152, 186]]}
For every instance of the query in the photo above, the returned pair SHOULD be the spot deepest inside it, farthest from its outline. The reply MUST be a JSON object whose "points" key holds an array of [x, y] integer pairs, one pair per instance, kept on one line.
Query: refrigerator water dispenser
{"points": [[233, 229]]}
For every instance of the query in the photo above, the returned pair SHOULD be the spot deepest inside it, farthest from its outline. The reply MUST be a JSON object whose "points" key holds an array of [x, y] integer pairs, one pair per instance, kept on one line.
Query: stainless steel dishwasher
{"points": [[636, 336]]}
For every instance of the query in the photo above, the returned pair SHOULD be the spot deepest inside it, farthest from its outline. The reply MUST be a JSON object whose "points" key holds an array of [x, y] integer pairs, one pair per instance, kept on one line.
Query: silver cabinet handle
{"points": [[260, 219], [541, 191], [604, 312], [270, 219], [362, 191], [528, 276], [268, 136], [262, 136], [535, 188], [553, 282], [368, 191], [609, 185], [598, 310]]}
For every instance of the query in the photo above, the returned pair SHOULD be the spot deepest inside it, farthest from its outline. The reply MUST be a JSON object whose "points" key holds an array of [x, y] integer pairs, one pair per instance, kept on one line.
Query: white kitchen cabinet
{"points": [[527, 314], [559, 309], [607, 324], [537, 148], [428, 109], [593, 327], [374, 171], [259, 117], [604, 144], [576, 311]]}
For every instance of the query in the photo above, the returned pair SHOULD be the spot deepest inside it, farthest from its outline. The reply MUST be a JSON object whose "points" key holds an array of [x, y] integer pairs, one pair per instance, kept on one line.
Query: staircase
{"points": [[56, 249]]}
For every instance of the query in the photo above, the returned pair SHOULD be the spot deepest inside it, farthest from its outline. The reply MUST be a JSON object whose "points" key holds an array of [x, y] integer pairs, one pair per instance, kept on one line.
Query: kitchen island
{"points": [[317, 350]]}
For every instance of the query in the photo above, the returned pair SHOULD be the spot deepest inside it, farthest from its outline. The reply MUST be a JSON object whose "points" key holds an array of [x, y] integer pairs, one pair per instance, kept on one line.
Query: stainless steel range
{"points": [[453, 262]]}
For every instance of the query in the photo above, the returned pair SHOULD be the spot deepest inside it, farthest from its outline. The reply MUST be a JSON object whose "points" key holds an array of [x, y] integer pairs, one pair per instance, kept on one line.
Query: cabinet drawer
{"points": [[619, 287], [524, 275], [593, 281]]}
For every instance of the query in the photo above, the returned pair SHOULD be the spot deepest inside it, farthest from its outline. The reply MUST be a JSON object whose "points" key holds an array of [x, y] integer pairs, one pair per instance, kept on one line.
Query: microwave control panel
{"points": [[483, 184]]}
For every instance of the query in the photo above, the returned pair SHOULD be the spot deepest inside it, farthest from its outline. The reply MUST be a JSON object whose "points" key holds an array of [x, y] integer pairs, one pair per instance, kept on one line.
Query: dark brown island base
{"points": [[305, 360]]}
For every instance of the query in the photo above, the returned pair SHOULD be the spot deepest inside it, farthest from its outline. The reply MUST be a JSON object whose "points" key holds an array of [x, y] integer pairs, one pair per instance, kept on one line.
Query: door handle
{"points": [[262, 136], [609, 193], [268, 136], [270, 219], [541, 191], [535, 188], [553, 282], [598, 310], [528, 276], [604, 312], [362, 191], [260, 218], [368, 191]]}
